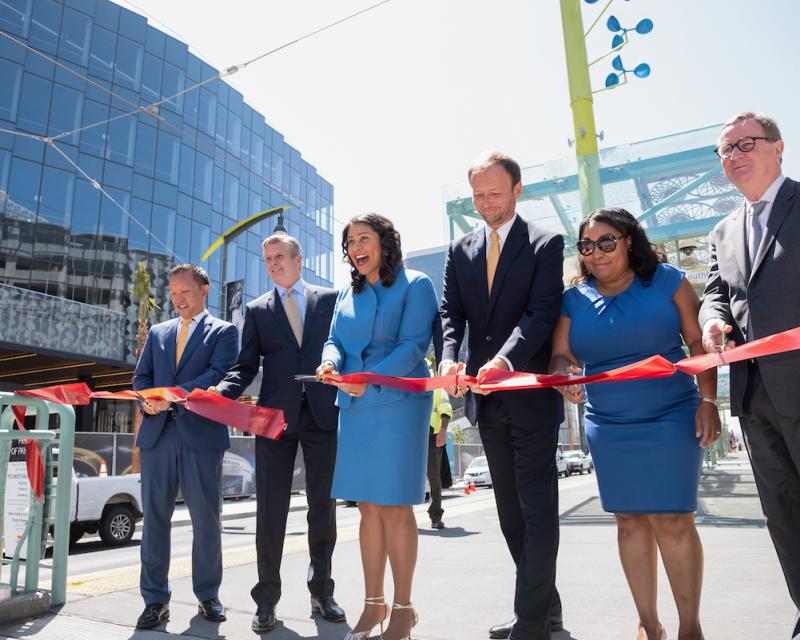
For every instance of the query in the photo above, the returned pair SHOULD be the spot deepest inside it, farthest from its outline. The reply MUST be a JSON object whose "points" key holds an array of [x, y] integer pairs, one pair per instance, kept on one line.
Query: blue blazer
{"points": [[390, 338], [208, 355]]}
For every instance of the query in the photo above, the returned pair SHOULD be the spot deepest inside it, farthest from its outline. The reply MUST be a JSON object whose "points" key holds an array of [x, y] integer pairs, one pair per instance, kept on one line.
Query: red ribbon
{"points": [[261, 421], [269, 423], [649, 368], [34, 462]]}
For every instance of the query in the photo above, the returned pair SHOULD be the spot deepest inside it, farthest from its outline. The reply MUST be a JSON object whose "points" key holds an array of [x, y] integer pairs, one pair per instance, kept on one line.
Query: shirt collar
{"points": [[501, 231], [197, 318], [771, 193], [298, 286]]}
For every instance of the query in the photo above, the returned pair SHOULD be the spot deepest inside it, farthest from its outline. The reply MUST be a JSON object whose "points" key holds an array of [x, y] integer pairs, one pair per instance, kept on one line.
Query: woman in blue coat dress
{"points": [[382, 323], [645, 435]]}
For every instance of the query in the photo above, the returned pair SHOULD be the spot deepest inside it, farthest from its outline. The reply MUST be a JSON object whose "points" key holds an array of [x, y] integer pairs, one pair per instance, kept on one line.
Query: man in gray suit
{"points": [[753, 290]]}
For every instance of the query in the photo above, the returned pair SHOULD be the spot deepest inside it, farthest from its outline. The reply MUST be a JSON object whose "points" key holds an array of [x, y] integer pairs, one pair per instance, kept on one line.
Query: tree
{"points": [[142, 285]]}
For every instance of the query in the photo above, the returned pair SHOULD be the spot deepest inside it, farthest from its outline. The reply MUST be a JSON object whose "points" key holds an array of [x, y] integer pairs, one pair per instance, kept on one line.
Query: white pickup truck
{"points": [[110, 505]]}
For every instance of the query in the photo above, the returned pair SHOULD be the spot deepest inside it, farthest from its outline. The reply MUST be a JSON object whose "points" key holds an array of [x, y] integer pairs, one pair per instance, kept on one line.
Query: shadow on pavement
{"points": [[448, 532]]}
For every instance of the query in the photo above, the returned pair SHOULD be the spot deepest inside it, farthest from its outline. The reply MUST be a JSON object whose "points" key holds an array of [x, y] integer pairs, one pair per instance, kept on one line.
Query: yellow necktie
{"points": [[183, 338], [292, 310], [492, 258]]}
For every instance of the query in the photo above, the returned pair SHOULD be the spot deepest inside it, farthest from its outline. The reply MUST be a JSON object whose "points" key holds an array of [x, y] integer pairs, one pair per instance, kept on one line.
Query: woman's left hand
{"points": [[354, 390], [707, 424]]}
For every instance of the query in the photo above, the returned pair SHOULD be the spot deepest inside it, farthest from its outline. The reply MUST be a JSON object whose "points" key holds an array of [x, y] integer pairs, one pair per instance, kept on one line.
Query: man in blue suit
{"points": [[504, 282], [181, 449], [284, 331]]}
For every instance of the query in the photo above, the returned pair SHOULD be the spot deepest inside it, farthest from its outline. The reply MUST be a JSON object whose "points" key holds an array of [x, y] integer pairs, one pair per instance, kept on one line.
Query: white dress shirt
{"points": [[192, 325], [769, 197]]}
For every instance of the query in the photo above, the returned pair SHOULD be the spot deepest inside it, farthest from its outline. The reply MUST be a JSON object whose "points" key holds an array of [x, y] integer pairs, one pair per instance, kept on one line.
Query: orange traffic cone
{"points": [[103, 470]]}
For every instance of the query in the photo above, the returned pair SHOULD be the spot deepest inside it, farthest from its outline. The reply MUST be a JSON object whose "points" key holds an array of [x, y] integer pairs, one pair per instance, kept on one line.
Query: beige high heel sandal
{"points": [[413, 610], [364, 635]]}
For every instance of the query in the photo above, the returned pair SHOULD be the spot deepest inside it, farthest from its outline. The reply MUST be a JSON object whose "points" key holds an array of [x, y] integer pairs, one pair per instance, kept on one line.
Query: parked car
{"points": [[577, 462], [477, 472], [591, 462], [108, 505], [561, 465]]}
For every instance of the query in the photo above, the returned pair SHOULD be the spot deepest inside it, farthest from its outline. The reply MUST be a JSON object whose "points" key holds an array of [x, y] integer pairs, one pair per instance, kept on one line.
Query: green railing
{"points": [[56, 506]]}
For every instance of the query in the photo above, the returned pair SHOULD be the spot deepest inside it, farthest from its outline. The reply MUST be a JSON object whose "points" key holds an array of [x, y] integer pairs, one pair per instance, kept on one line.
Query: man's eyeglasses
{"points": [[745, 145], [606, 244]]}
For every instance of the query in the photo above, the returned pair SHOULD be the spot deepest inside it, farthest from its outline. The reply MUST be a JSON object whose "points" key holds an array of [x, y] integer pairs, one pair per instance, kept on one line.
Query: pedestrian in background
{"points": [[437, 438]]}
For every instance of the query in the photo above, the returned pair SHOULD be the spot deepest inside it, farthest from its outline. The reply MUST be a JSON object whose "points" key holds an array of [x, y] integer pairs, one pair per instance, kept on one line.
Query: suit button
{"points": [[488, 338]]}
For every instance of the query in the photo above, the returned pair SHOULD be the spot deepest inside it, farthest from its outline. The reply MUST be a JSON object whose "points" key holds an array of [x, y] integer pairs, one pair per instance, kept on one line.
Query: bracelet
{"points": [[710, 399]]}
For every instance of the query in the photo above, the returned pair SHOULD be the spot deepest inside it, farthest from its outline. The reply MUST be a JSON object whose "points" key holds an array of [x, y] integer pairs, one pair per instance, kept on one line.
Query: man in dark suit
{"points": [[504, 282], [753, 290], [181, 449], [286, 329]]}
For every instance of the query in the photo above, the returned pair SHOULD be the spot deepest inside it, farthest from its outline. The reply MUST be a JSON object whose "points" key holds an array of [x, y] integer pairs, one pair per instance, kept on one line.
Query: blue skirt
{"points": [[382, 452], [647, 467]]}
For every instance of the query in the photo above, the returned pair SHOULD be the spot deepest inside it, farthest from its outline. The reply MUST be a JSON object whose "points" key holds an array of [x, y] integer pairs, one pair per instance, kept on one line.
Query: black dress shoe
{"points": [[327, 606], [437, 524], [152, 616], [264, 621], [502, 631], [212, 610]]}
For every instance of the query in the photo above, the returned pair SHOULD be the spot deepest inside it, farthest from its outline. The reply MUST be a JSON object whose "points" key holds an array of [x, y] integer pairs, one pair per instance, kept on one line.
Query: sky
{"points": [[392, 106]]}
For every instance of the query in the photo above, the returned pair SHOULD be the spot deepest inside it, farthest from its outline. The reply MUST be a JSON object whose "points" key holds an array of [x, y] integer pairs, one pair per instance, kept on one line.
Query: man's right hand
{"points": [[450, 368], [153, 407], [714, 336], [214, 390]]}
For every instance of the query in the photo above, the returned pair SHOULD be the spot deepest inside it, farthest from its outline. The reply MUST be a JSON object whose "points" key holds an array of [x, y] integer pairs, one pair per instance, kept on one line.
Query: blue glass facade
{"points": [[174, 177]]}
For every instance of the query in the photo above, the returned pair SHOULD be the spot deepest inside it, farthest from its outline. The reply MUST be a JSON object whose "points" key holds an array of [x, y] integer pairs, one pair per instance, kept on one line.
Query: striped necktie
{"points": [[755, 230]]}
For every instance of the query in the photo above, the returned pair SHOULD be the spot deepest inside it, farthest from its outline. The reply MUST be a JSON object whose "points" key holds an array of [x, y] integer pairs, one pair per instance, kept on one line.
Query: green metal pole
{"points": [[580, 96], [66, 448]]}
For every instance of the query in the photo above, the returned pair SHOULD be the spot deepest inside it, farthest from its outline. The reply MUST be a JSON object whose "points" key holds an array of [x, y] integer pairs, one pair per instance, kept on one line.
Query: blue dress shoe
{"points": [[152, 616], [264, 621], [212, 610], [327, 607]]}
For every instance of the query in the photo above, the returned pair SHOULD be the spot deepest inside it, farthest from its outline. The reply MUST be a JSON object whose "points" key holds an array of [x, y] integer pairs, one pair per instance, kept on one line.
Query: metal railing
{"points": [[56, 505]]}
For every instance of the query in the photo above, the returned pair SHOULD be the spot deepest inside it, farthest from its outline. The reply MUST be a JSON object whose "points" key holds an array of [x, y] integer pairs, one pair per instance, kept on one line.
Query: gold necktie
{"points": [[183, 338], [292, 310], [492, 258]]}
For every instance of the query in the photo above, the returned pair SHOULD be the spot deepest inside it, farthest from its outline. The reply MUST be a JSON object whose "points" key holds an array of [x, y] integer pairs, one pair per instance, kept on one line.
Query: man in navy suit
{"points": [[285, 329], [504, 282], [181, 449]]}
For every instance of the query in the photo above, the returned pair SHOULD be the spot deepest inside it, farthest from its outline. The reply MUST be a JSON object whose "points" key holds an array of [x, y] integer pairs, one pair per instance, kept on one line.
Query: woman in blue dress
{"points": [[383, 324], [646, 436]]}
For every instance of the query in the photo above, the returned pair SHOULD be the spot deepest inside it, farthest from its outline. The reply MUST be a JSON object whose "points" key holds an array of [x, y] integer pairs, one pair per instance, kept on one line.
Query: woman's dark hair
{"points": [[391, 254], [642, 257]]}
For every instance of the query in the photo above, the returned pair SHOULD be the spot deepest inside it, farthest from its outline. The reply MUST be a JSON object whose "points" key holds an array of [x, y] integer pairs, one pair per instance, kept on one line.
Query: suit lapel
{"points": [[477, 256], [738, 240], [780, 209], [517, 238], [198, 335], [274, 303], [171, 346]]}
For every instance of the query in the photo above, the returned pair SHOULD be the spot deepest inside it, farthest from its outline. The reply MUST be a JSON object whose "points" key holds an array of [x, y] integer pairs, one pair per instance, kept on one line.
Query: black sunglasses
{"points": [[606, 244]]}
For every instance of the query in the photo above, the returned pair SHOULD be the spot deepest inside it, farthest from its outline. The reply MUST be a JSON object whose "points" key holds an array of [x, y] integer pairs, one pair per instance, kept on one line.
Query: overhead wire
{"points": [[151, 110]]}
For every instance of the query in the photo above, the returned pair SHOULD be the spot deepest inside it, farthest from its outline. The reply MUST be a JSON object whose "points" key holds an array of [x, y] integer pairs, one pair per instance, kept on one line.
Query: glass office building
{"points": [[139, 164]]}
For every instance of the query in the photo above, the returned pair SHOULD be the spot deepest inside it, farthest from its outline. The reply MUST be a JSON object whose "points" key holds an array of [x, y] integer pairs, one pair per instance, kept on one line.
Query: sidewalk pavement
{"points": [[464, 580]]}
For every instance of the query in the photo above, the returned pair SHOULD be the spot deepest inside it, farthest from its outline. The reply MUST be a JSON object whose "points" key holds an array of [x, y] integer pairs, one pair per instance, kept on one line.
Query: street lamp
{"points": [[580, 91], [234, 232]]}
